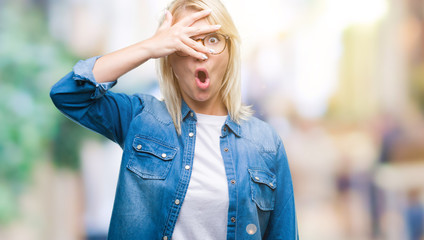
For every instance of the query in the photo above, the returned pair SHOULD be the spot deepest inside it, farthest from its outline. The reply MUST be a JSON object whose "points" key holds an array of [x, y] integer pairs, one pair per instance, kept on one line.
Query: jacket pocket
{"points": [[263, 184], [150, 159]]}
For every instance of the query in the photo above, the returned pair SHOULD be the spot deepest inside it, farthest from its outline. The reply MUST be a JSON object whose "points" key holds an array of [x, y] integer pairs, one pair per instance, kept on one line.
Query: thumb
{"points": [[168, 19]]}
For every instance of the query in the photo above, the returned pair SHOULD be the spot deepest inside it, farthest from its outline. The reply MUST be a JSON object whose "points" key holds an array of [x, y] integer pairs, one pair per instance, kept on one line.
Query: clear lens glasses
{"points": [[215, 41]]}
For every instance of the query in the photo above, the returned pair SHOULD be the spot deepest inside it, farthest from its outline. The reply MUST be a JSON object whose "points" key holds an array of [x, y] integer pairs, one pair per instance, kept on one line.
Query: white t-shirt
{"points": [[203, 214]]}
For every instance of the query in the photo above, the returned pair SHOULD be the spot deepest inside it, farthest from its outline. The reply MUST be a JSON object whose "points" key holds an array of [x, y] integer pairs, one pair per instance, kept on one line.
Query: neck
{"points": [[211, 110], [216, 108]]}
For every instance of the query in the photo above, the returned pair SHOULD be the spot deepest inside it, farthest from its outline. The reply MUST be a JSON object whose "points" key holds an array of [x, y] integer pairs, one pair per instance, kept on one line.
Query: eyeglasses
{"points": [[215, 41]]}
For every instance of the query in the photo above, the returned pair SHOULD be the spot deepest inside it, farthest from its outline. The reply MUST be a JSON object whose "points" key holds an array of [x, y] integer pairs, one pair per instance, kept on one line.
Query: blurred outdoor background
{"points": [[341, 80]]}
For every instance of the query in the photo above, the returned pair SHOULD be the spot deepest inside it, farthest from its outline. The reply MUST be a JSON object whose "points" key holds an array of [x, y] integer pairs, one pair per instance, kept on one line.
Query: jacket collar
{"points": [[234, 126], [185, 110]]}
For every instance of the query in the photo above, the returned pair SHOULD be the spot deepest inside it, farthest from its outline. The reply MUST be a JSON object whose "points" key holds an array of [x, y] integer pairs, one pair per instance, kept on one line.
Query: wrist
{"points": [[147, 48]]}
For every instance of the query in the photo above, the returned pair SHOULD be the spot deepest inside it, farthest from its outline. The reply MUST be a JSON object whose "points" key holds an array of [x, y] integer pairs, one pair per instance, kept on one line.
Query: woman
{"points": [[195, 165]]}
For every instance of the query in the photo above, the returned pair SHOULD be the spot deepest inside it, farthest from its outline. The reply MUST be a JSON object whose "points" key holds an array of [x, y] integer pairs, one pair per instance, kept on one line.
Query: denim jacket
{"points": [[157, 162]]}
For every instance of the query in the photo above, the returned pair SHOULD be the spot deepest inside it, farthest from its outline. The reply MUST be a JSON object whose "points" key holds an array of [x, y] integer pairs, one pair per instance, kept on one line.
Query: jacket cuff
{"points": [[83, 73]]}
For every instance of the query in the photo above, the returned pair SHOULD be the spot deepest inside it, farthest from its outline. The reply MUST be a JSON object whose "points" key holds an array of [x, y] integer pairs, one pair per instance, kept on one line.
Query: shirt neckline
{"points": [[211, 119]]}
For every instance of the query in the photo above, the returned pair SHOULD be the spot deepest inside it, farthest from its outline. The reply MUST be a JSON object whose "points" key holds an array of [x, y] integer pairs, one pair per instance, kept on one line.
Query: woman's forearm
{"points": [[111, 66]]}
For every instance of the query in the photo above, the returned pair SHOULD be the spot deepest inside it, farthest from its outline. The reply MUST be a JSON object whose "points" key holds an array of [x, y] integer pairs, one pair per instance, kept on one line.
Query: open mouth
{"points": [[202, 78]]}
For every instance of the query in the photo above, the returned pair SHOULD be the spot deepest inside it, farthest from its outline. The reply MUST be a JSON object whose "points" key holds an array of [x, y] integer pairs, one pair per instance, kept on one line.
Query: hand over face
{"points": [[177, 37]]}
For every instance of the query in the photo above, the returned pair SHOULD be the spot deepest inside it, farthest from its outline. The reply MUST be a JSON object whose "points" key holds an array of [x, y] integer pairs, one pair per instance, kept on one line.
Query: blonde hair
{"points": [[231, 87]]}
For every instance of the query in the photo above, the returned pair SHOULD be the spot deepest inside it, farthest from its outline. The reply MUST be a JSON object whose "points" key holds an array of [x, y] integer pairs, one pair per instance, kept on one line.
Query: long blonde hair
{"points": [[231, 87]]}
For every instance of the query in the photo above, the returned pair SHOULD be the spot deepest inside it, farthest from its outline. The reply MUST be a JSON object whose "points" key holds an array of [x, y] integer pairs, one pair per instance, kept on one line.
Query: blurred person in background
{"points": [[414, 216], [196, 165]]}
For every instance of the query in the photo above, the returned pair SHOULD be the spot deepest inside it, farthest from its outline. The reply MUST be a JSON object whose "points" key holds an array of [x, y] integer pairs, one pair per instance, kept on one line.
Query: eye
{"points": [[213, 39]]}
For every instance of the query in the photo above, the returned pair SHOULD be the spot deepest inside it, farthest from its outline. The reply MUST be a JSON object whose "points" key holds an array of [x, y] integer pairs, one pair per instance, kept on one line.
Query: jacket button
{"points": [[233, 181], [165, 238], [233, 219], [139, 146], [270, 184], [225, 129], [164, 155], [187, 167], [177, 202], [257, 178], [191, 114], [225, 149], [251, 229], [191, 134]]}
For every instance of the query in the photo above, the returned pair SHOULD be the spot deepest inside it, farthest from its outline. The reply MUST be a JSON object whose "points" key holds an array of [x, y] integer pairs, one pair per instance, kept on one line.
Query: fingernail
{"points": [[204, 56], [208, 10], [218, 26], [211, 50]]}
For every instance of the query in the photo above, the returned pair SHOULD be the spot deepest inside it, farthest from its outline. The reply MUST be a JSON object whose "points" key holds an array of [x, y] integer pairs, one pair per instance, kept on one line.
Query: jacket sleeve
{"points": [[283, 221], [82, 99]]}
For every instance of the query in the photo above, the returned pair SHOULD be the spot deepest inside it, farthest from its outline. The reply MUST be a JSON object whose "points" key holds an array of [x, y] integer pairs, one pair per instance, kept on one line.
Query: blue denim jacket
{"points": [[154, 171]]}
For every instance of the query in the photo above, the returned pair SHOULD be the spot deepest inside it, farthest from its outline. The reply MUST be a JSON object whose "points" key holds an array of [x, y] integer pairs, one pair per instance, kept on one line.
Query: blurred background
{"points": [[341, 80]]}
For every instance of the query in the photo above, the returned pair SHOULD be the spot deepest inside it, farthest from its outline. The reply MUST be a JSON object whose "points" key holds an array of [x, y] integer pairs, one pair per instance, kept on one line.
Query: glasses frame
{"points": [[203, 42]]}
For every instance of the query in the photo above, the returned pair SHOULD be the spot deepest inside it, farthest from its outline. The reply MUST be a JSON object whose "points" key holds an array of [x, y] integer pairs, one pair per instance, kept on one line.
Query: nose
{"points": [[202, 60]]}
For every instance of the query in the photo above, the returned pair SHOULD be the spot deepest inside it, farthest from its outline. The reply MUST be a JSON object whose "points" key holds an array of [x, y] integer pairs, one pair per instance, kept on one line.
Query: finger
{"points": [[192, 18], [191, 52], [196, 45], [195, 31]]}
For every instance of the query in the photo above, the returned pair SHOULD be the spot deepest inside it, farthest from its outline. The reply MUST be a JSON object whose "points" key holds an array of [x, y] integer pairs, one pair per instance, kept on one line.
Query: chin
{"points": [[202, 96], [201, 99]]}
